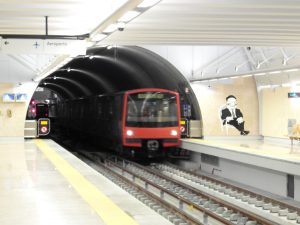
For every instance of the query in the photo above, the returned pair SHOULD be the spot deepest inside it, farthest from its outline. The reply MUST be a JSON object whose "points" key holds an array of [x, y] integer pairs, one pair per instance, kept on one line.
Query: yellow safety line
{"points": [[109, 212]]}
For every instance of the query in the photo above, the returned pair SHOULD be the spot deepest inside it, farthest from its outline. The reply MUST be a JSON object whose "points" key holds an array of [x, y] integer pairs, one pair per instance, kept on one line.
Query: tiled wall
{"points": [[12, 115], [277, 109]]}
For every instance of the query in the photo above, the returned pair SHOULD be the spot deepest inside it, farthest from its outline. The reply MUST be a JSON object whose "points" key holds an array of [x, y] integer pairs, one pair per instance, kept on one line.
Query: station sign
{"points": [[43, 46], [43, 127], [294, 95]]}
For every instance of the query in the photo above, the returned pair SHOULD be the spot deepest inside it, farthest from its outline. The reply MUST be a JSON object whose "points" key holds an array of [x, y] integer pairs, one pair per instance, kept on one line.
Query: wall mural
{"points": [[232, 116]]}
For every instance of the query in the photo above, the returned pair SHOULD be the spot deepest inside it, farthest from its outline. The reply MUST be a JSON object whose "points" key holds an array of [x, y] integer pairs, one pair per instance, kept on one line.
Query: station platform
{"points": [[43, 184], [267, 153]]}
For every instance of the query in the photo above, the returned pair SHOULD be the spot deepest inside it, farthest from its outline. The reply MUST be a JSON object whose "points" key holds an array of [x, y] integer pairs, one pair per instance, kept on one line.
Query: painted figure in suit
{"points": [[233, 116]]}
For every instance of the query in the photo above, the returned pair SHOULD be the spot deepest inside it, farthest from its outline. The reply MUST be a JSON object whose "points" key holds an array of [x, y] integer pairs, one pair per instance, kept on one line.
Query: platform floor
{"points": [[41, 183], [271, 153]]}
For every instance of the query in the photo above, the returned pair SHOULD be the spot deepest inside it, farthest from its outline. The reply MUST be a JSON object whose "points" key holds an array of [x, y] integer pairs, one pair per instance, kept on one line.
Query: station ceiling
{"points": [[270, 27]]}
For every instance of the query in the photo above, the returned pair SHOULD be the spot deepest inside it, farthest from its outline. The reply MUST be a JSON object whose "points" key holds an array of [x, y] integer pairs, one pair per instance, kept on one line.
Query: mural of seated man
{"points": [[233, 116]]}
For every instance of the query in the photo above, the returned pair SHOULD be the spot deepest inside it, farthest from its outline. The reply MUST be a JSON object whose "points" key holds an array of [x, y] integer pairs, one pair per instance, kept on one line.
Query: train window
{"points": [[152, 109]]}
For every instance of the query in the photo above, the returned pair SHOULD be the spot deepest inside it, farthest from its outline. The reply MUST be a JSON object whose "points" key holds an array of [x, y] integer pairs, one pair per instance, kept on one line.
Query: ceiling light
{"points": [[129, 16], [274, 72], [286, 85], [148, 3], [111, 28], [291, 70], [259, 74], [284, 62], [249, 75], [99, 37]]}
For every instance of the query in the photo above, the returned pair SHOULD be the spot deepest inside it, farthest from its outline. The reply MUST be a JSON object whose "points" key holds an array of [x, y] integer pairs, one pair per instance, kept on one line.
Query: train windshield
{"points": [[151, 109]]}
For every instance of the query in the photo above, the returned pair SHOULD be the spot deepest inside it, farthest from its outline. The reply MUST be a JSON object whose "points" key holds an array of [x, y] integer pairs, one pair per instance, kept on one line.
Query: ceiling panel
{"points": [[215, 22], [65, 17]]}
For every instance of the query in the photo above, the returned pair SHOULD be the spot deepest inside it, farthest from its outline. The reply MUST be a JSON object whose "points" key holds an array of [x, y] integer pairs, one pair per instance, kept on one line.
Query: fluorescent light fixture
{"points": [[275, 72], [148, 3], [291, 70], [99, 37], [234, 77], [129, 16], [249, 75], [286, 85], [259, 74], [265, 86], [295, 83], [111, 28]]}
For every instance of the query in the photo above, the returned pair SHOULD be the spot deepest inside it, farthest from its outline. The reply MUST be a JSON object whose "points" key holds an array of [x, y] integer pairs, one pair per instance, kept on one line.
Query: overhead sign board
{"points": [[41, 46]]}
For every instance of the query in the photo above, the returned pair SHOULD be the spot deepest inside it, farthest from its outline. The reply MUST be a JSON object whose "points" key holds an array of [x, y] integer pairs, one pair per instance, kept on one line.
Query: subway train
{"points": [[140, 123], [37, 110]]}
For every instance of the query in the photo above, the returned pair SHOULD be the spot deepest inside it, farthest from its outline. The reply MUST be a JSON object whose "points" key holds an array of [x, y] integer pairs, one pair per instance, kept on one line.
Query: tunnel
{"points": [[120, 68]]}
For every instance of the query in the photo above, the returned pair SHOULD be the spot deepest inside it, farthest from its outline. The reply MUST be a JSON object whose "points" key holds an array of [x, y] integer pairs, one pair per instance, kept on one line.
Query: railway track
{"points": [[268, 207], [185, 197]]}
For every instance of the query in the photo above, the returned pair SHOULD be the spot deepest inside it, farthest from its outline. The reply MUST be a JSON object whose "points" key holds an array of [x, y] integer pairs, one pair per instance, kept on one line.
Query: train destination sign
{"points": [[151, 95]]}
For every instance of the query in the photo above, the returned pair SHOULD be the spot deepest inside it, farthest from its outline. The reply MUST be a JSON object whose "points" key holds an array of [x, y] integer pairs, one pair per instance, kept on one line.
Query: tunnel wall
{"points": [[120, 68]]}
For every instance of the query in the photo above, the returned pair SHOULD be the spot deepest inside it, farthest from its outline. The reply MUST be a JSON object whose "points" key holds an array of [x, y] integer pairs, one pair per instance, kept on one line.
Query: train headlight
{"points": [[174, 132], [129, 132]]}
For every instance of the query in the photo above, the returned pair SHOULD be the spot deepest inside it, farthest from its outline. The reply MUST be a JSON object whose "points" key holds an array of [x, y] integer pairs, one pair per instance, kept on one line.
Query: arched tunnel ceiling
{"points": [[118, 69]]}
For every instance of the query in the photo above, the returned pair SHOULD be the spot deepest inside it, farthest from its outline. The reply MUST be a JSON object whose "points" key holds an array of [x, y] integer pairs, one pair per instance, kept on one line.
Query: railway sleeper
{"points": [[245, 198], [252, 201], [259, 203], [274, 209], [283, 212], [267, 206], [178, 221], [292, 216], [161, 211], [233, 194], [171, 218]]}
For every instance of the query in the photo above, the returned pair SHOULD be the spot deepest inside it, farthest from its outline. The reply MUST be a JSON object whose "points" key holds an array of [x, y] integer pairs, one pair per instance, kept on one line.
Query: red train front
{"points": [[150, 121]]}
